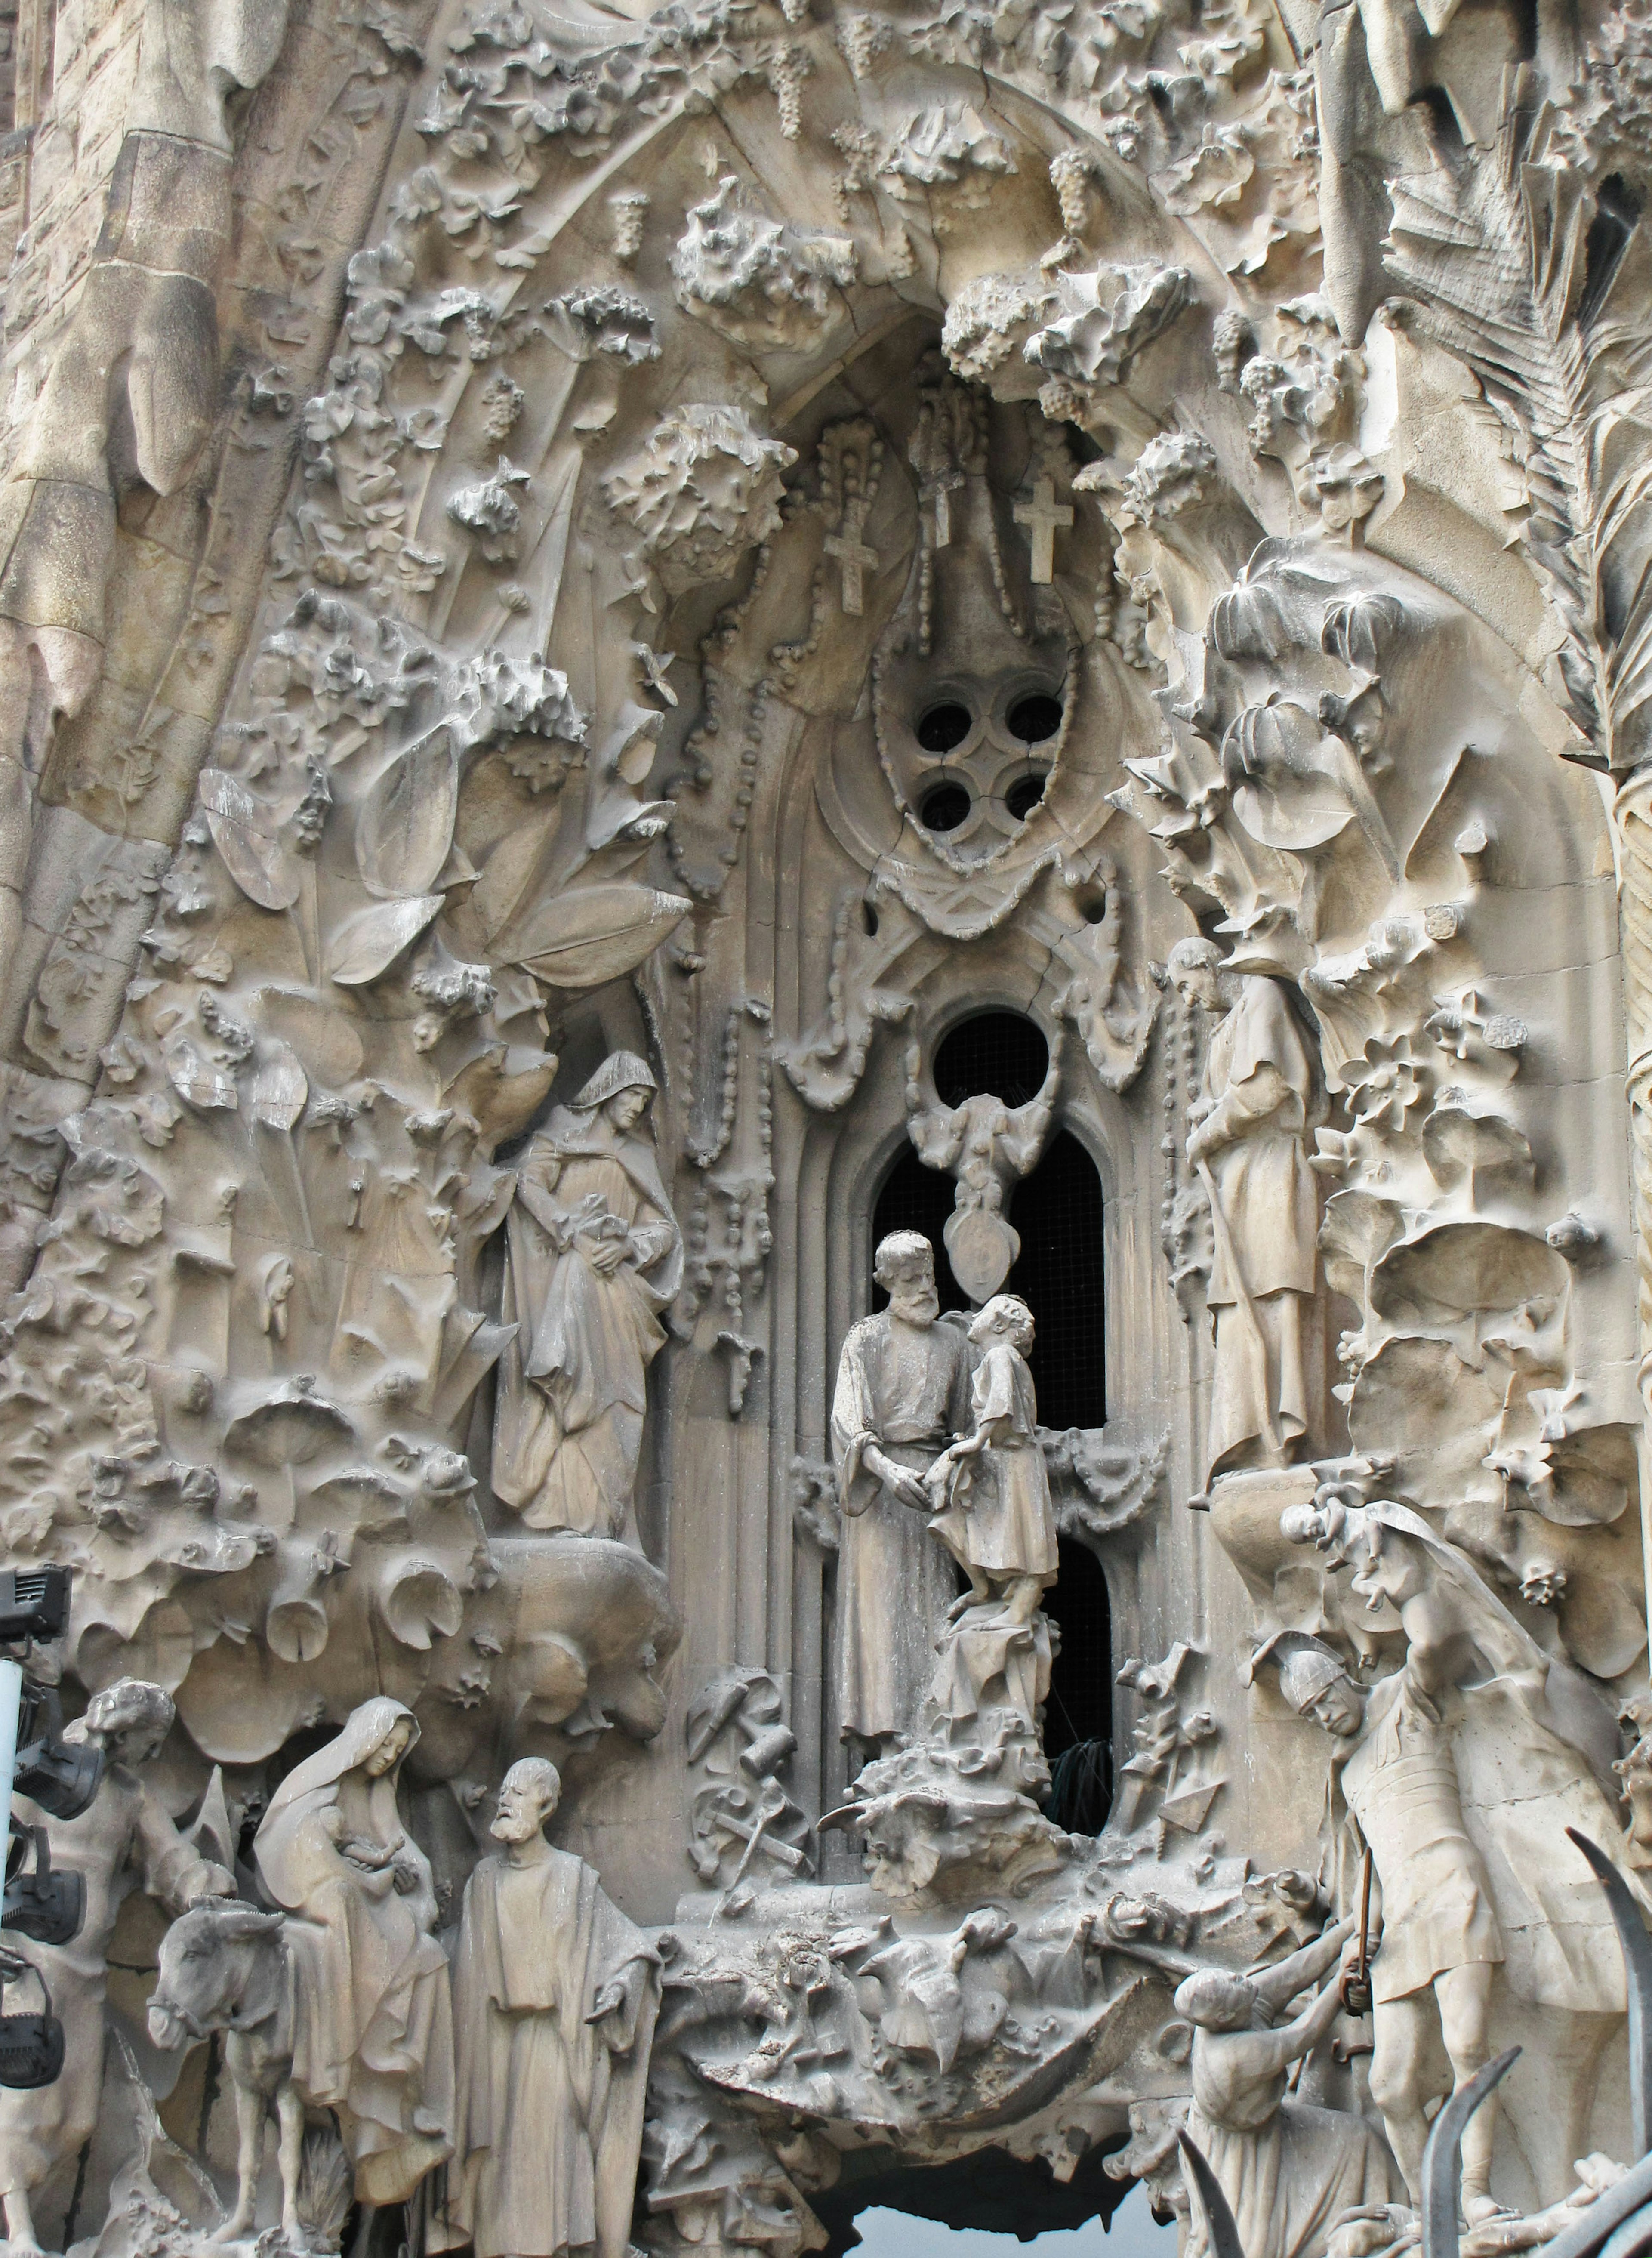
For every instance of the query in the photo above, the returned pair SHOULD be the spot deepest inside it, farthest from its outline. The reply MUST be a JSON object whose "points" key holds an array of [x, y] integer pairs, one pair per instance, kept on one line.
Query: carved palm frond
{"points": [[1512, 264]]}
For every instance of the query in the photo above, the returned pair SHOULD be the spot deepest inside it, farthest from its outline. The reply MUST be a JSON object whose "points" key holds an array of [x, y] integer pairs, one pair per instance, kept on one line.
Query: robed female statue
{"points": [[373, 2028], [594, 1256]]}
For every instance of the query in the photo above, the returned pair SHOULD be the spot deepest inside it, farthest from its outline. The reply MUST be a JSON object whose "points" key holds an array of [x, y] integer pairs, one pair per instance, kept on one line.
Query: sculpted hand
{"points": [[900, 1480], [938, 1480], [406, 1877], [615, 2009]]}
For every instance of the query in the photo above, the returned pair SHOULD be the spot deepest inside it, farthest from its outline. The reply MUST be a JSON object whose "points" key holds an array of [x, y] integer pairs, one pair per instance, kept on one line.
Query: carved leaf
{"points": [[594, 934], [280, 1090], [406, 825], [242, 832], [1497, 257], [196, 1078], [325, 1043], [371, 943]]}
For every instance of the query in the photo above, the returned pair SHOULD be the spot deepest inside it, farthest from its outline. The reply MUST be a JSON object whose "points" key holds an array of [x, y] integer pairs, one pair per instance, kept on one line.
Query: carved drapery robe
{"points": [[1002, 1521], [573, 1383], [1260, 1089], [550, 2120], [1532, 1904], [905, 1390], [1400, 1783], [372, 2028], [1287, 2168]]}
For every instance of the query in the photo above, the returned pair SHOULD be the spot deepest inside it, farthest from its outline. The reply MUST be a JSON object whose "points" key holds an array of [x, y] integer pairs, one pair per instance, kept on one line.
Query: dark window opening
{"points": [[1078, 1718], [1058, 1274], [944, 727], [1034, 718], [999, 1054], [1024, 794], [1057, 1211], [944, 808]]}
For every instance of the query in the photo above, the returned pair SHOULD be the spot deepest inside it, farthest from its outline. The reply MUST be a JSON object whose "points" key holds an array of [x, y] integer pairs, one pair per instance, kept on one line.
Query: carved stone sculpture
{"points": [[902, 1393], [555, 1995], [595, 1255], [762, 544], [124, 1842], [1248, 1144], [372, 2020], [985, 1145], [1397, 1779], [991, 1490], [227, 1967], [1287, 2169]]}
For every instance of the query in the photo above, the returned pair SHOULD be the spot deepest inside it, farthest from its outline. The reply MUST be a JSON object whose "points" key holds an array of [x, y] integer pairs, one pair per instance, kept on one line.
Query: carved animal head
{"points": [[208, 1958]]}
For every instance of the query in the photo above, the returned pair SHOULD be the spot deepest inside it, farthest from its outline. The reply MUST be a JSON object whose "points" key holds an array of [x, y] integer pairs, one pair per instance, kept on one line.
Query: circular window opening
{"points": [[996, 1054], [1034, 717], [1024, 794], [945, 726], [944, 808]]}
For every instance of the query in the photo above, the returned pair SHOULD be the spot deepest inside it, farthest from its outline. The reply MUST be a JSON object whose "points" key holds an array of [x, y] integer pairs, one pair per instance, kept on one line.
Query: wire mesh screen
{"points": [[998, 1053], [1057, 1211]]}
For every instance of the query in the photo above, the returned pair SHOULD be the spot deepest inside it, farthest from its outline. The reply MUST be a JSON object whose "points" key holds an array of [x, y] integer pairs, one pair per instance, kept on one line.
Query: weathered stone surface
{"points": [[577, 607]]}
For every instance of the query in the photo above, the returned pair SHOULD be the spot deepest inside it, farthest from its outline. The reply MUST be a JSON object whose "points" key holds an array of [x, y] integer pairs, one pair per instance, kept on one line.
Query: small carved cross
{"points": [[855, 558], [938, 493], [1042, 515]]}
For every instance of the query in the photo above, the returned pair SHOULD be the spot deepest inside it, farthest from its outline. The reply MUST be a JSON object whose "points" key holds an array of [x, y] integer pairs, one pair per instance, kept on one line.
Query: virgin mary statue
{"points": [[373, 2030], [594, 1255]]}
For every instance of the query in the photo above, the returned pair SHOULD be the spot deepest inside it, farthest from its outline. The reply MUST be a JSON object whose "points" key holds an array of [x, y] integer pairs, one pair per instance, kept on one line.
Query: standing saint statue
{"points": [[902, 1393], [1259, 1097], [373, 2026], [594, 1255], [555, 1995]]}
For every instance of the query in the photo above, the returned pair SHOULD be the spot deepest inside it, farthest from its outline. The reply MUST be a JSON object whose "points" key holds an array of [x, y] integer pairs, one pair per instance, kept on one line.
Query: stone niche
{"points": [[824, 872]]}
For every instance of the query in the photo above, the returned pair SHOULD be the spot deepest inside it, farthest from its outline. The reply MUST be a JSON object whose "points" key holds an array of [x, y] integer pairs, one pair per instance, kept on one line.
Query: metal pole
{"points": [[10, 1706]]}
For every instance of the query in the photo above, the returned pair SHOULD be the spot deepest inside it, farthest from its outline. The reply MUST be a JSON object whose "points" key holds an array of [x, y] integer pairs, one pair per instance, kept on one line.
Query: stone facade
{"points": [[824, 872]]}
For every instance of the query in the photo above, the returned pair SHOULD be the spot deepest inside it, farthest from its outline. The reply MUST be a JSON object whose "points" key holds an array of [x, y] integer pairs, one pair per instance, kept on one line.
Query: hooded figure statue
{"points": [[372, 2028], [594, 1254]]}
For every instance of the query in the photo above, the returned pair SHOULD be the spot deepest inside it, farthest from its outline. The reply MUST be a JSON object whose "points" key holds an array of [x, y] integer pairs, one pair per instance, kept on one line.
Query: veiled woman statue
{"points": [[373, 2025], [594, 1254]]}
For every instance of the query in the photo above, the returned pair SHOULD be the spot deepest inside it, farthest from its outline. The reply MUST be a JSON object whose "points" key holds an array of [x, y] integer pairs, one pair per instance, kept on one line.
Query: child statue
{"points": [[990, 1488]]}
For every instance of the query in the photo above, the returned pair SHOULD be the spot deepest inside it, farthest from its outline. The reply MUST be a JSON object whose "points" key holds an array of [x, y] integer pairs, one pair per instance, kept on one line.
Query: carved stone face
{"points": [[627, 1107], [1197, 984], [1339, 1709], [525, 1803], [390, 1751], [912, 1296]]}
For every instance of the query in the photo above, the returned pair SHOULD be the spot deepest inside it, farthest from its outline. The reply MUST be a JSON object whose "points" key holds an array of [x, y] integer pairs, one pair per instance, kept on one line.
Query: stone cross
{"points": [[1042, 515], [938, 492], [855, 558]]}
